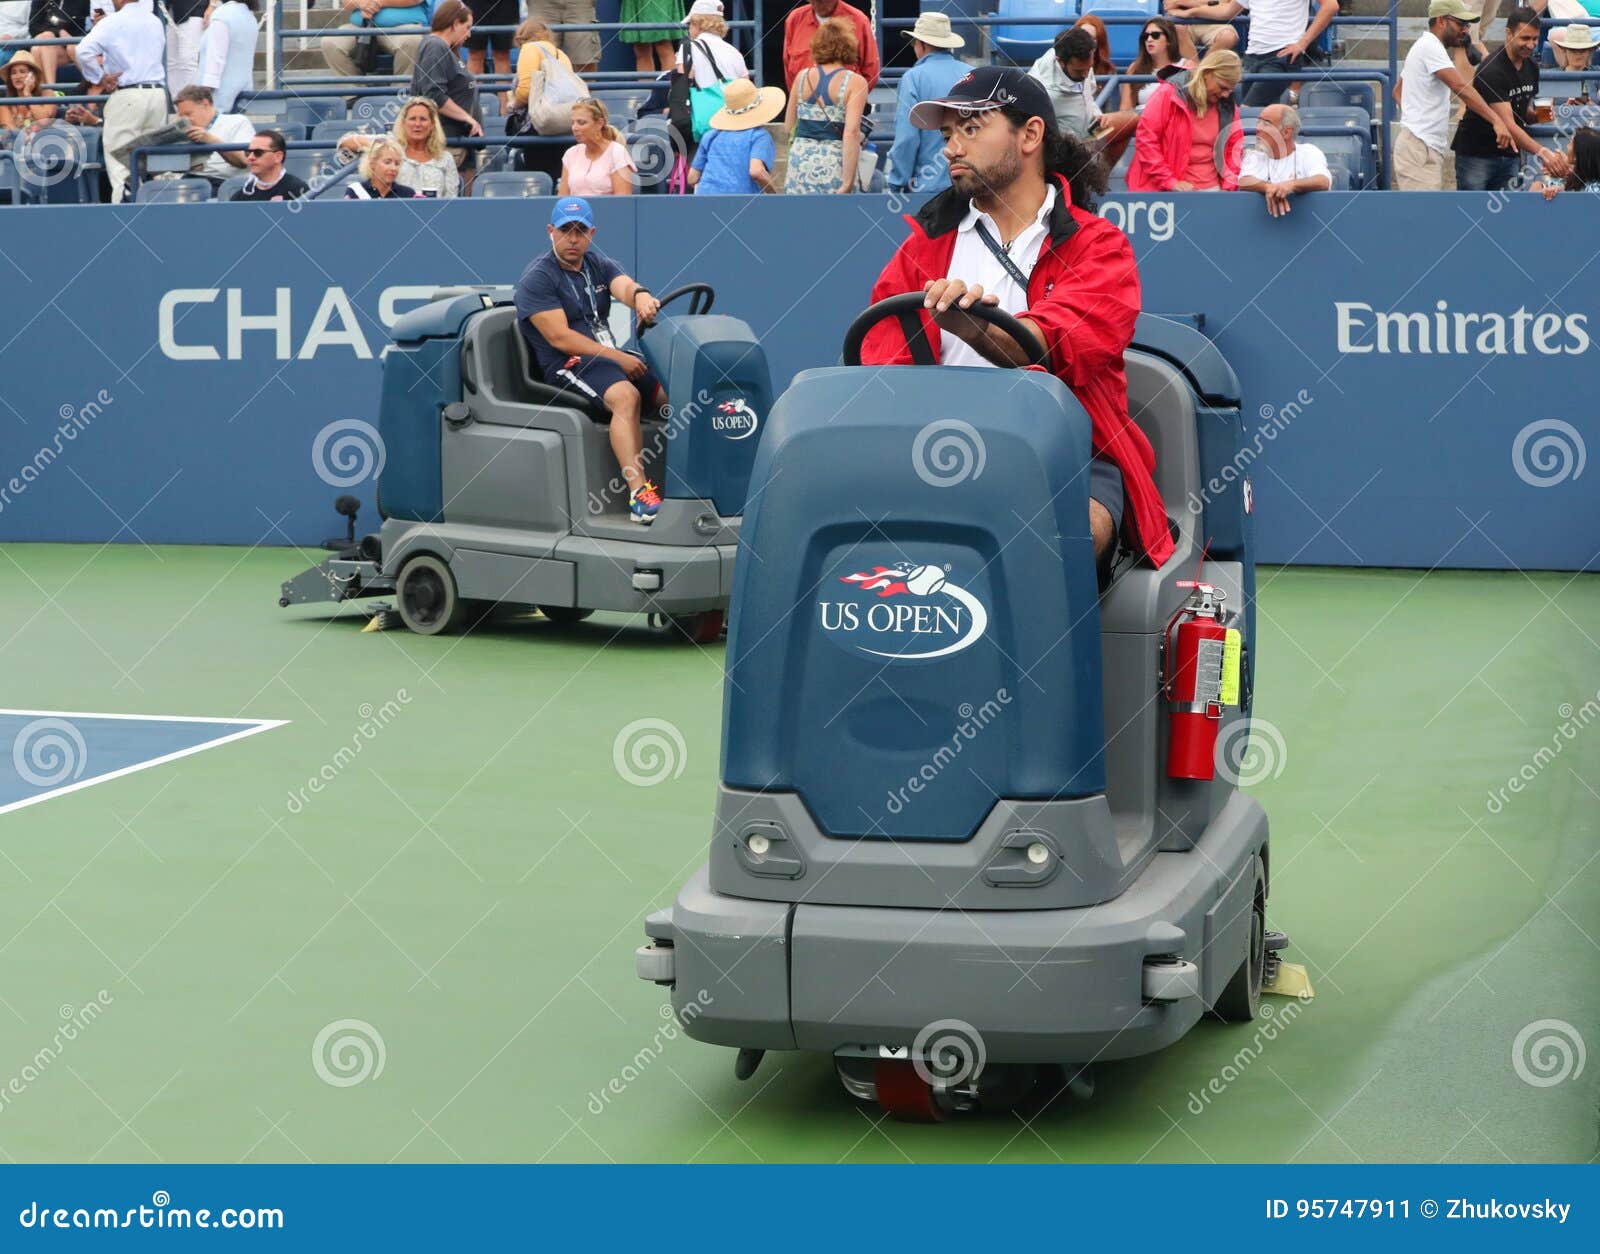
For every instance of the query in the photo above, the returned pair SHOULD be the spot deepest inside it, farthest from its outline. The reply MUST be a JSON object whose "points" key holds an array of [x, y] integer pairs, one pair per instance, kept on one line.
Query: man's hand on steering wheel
{"points": [[646, 306], [947, 298]]}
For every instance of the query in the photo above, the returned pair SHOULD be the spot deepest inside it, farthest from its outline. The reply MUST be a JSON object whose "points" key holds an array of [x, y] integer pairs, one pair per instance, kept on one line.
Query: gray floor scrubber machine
{"points": [[499, 490], [957, 840]]}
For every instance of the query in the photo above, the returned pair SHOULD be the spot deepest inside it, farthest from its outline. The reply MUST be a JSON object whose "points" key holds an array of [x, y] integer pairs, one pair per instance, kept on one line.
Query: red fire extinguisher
{"points": [[1197, 665]]}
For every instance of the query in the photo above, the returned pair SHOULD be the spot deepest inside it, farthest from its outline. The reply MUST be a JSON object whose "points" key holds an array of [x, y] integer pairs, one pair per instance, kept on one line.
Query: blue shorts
{"points": [[594, 375], [1105, 486]]}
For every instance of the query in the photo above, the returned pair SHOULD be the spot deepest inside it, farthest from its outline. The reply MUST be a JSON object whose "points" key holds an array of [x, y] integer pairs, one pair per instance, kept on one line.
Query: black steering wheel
{"points": [[700, 295], [908, 309]]}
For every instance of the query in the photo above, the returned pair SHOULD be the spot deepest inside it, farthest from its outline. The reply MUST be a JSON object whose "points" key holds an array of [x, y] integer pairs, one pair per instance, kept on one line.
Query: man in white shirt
{"points": [[125, 57], [1423, 93], [198, 112], [14, 19], [1278, 167]]}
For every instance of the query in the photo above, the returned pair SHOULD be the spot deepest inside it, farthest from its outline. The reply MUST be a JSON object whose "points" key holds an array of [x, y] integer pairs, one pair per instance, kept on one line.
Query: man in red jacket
{"points": [[1015, 230], [802, 23]]}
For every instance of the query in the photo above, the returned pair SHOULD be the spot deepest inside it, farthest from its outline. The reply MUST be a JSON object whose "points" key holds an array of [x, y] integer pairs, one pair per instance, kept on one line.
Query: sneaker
{"points": [[643, 504]]}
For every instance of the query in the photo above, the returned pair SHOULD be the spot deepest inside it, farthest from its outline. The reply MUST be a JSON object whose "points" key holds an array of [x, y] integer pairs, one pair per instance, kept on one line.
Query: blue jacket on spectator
{"points": [[916, 160]]}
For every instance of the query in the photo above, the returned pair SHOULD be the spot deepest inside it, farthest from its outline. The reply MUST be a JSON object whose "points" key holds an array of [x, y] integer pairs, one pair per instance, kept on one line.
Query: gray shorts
{"points": [[1105, 486]]}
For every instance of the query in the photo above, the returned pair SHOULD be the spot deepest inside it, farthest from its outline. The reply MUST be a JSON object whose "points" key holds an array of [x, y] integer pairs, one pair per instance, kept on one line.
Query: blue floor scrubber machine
{"points": [[957, 844], [500, 491]]}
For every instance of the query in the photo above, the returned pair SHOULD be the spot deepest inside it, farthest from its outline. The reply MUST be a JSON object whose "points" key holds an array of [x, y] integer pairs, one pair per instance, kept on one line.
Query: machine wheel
{"points": [[905, 1095], [425, 593], [564, 615], [1240, 998]]}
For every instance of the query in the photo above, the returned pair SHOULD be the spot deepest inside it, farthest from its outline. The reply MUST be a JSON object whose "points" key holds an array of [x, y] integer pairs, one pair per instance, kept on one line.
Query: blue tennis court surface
{"points": [[44, 753]]}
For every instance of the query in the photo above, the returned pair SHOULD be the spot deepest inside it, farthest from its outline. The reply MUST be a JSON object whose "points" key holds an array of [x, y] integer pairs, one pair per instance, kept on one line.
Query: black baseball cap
{"points": [[990, 87]]}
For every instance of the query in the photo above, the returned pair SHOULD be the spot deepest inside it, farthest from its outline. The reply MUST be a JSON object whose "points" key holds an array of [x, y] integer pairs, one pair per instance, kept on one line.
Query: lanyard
{"points": [[1001, 255]]}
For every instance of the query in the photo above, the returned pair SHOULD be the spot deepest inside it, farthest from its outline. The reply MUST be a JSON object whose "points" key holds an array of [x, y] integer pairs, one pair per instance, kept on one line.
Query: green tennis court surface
{"points": [[401, 926]]}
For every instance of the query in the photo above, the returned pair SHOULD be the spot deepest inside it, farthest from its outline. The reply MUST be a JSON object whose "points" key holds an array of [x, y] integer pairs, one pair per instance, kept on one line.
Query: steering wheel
{"points": [[908, 308], [700, 295]]}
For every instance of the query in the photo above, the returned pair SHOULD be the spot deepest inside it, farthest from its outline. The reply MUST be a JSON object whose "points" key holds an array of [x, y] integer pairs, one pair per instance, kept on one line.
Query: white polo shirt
{"points": [[229, 128], [131, 43], [1306, 161], [973, 262]]}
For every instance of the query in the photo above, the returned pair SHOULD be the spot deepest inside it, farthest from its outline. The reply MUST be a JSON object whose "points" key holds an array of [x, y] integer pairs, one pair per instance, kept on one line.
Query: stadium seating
{"points": [[10, 188], [235, 184], [622, 106], [509, 183], [1024, 44], [1124, 35], [1357, 95], [345, 126], [181, 191]]}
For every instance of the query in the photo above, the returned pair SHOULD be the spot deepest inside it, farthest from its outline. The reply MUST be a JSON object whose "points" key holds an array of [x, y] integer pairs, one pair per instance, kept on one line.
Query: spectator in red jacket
{"points": [[1017, 229], [802, 24], [1189, 137]]}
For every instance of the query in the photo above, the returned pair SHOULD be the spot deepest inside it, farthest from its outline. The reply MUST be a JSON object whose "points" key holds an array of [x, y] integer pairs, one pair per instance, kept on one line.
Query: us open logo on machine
{"points": [[909, 611], [734, 420]]}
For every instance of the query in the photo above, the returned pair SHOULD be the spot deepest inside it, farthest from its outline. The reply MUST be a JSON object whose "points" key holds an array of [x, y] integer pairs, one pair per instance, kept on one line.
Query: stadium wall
{"points": [[1417, 370]]}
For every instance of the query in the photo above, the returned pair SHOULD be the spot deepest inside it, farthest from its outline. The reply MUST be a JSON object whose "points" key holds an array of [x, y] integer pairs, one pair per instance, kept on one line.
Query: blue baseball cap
{"points": [[571, 209]]}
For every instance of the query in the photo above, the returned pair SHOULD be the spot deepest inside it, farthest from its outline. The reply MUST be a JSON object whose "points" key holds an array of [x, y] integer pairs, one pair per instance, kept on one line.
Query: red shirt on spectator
{"points": [[802, 23]]}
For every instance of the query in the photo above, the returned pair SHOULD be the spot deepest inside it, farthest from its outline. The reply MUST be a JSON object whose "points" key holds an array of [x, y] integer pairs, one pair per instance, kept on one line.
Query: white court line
{"points": [[250, 728]]}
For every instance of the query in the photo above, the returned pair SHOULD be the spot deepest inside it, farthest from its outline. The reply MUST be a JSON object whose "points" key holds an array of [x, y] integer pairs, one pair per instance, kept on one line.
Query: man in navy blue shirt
{"points": [[563, 303], [916, 159]]}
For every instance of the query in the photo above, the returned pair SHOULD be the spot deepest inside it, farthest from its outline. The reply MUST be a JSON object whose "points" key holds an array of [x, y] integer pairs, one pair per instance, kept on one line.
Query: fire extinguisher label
{"points": [[1208, 672], [1232, 649]]}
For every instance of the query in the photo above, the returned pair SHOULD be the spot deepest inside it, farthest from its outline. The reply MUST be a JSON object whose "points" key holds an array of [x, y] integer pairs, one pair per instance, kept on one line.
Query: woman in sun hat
{"points": [[737, 154], [1573, 48], [22, 78]]}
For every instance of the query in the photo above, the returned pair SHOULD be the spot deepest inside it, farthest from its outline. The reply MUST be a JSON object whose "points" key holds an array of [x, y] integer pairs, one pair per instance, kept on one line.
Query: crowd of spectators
{"points": [[1177, 123]]}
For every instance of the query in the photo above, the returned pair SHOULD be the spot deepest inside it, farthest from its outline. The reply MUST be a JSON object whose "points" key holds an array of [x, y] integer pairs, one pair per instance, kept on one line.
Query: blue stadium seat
{"points": [[1025, 44], [258, 107], [50, 166], [622, 106], [174, 192], [309, 163], [313, 109], [1337, 95], [230, 186], [294, 132], [338, 128], [10, 188], [1124, 35], [506, 183], [1355, 147], [1342, 115], [494, 124], [378, 111], [93, 164], [489, 102]]}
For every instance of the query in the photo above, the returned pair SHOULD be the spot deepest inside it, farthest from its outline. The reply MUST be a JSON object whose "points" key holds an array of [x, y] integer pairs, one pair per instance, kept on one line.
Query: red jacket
{"points": [[802, 23], [1084, 296], [1161, 144]]}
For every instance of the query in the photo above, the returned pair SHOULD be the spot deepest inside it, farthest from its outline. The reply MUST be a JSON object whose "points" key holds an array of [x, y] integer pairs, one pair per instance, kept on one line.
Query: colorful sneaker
{"points": [[643, 504]]}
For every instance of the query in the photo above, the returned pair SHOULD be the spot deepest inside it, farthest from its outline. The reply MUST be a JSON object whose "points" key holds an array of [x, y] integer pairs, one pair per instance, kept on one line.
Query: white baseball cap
{"points": [[703, 8]]}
